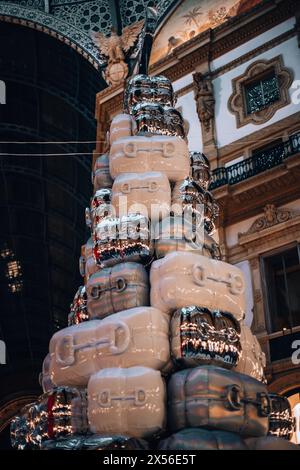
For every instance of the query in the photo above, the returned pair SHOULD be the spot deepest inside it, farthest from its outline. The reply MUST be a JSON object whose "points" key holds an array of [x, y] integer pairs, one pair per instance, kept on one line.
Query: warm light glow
{"points": [[13, 271]]}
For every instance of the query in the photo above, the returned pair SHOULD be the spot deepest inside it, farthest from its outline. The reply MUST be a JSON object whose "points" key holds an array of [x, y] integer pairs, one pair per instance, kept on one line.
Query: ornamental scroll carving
{"points": [[272, 216], [237, 101]]}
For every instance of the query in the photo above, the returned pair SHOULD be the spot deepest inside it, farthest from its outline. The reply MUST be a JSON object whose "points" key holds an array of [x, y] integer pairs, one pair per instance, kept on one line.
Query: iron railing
{"points": [[258, 163]]}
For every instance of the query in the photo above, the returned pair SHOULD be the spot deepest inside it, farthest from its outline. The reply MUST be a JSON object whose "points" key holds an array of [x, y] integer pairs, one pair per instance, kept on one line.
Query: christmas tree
{"points": [[156, 354]]}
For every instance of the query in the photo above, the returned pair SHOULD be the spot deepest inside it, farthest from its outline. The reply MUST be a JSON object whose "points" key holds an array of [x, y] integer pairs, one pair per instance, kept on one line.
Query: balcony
{"points": [[258, 163]]}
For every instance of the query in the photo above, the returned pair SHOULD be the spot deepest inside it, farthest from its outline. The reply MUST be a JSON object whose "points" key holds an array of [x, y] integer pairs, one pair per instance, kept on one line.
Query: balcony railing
{"points": [[258, 163]]}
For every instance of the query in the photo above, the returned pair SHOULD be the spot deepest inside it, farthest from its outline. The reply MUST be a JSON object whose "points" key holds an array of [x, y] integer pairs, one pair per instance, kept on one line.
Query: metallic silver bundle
{"points": [[121, 287], [217, 398], [200, 169], [281, 421], [200, 336], [61, 412], [179, 233], [141, 88], [150, 100], [100, 208], [123, 239], [95, 442], [188, 195], [78, 308], [153, 118], [202, 439], [100, 176]]}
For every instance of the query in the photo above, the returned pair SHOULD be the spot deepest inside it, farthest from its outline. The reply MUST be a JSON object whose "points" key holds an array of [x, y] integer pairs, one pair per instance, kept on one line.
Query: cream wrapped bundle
{"points": [[125, 339], [127, 401], [180, 279], [145, 193]]}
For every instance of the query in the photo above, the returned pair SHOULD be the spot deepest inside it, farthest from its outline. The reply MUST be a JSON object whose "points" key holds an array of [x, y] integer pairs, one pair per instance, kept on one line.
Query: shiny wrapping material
{"points": [[217, 398], [61, 412], [123, 239], [153, 118], [189, 195], [139, 154], [200, 336], [110, 290], [100, 208], [95, 442], [101, 176], [269, 443], [281, 421], [200, 169], [141, 88], [78, 308], [20, 429], [186, 278], [127, 401], [202, 439], [177, 234], [44, 377], [121, 126], [125, 339], [146, 193], [87, 262], [253, 359]]}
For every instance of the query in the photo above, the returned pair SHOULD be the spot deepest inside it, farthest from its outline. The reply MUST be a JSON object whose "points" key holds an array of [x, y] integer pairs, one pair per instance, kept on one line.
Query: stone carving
{"points": [[272, 216], [114, 48], [236, 103], [204, 96], [205, 102]]}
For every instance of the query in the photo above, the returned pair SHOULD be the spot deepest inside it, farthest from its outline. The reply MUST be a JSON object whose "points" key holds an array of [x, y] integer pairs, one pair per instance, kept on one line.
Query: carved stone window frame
{"points": [[237, 101]]}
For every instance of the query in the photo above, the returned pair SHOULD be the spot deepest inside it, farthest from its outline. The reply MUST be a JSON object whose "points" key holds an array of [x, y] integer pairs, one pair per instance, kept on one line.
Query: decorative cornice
{"points": [[184, 90], [254, 53], [272, 216], [242, 59]]}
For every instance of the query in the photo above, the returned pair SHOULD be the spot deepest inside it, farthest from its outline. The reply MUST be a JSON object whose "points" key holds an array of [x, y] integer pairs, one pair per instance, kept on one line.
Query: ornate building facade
{"points": [[235, 66]]}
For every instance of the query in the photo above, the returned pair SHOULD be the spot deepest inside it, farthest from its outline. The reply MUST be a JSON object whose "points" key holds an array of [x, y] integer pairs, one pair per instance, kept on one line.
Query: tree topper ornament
{"points": [[114, 48]]}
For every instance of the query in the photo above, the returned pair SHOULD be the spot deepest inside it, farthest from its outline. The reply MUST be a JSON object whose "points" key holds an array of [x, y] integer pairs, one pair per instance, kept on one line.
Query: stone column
{"points": [[259, 323]]}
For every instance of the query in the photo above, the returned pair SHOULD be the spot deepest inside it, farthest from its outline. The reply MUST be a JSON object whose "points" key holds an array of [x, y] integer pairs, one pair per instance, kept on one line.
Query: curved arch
{"points": [[12, 406], [286, 383], [55, 27]]}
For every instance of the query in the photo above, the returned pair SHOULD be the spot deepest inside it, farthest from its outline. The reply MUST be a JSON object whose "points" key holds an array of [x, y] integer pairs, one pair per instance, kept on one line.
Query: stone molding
{"points": [[237, 100]]}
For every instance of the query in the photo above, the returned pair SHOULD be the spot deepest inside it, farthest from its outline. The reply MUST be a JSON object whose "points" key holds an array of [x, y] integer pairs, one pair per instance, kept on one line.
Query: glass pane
{"points": [[270, 90], [293, 281], [254, 97], [262, 93], [282, 283]]}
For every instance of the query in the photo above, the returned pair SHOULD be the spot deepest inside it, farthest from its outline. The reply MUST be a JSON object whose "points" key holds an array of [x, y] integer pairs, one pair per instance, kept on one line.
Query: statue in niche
{"points": [[114, 48], [204, 96]]}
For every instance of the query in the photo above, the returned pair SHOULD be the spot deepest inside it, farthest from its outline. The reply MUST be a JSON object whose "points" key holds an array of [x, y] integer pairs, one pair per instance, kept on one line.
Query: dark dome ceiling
{"points": [[71, 21]]}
